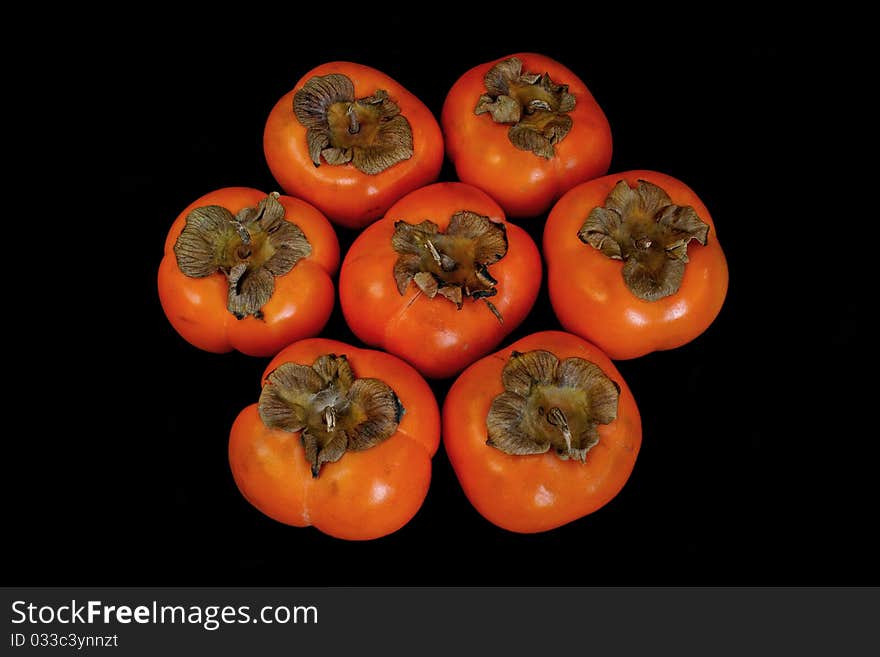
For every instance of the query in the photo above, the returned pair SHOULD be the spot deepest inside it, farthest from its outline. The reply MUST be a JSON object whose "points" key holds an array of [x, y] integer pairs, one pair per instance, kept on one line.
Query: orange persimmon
{"points": [[525, 129], [440, 280], [541, 433], [247, 271], [634, 263], [342, 439], [351, 141]]}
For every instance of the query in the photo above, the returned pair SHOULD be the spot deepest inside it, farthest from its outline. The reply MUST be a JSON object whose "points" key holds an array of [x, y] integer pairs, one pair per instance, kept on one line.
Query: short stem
{"points": [[434, 253], [557, 418], [243, 233], [354, 125], [330, 418]]}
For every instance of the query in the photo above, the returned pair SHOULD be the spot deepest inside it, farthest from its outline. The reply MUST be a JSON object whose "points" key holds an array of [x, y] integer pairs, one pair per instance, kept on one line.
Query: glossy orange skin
{"points": [[361, 496], [525, 184], [347, 196], [589, 295], [432, 334], [534, 493], [300, 305]]}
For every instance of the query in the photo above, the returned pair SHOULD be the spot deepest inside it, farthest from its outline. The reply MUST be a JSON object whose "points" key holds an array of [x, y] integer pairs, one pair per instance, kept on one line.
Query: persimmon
{"points": [[525, 129], [351, 141], [634, 263], [440, 280], [342, 439], [248, 271], [541, 433]]}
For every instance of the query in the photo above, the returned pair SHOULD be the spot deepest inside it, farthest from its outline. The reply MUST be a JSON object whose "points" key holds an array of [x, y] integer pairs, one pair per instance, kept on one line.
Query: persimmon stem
{"points": [[556, 417], [434, 253], [243, 232], [354, 125], [330, 418]]}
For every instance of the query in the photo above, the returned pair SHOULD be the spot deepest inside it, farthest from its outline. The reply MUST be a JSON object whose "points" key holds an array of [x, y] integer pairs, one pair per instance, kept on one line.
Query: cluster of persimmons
{"points": [[540, 433]]}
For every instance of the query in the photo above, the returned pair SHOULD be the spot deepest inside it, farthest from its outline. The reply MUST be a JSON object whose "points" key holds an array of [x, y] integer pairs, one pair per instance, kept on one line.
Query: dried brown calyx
{"points": [[645, 229], [547, 403], [334, 411], [369, 132], [454, 264], [532, 102], [251, 248]]}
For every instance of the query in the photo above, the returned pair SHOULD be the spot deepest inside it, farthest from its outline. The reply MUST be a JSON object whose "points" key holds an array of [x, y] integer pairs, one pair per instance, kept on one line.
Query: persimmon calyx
{"points": [[453, 264], [369, 132], [250, 248], [333, 411], [645, 229], [535, 105], [551, 403]]}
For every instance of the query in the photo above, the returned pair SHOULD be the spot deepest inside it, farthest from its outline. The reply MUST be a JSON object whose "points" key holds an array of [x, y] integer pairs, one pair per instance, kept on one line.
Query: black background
{"points": [[754, 464]]}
